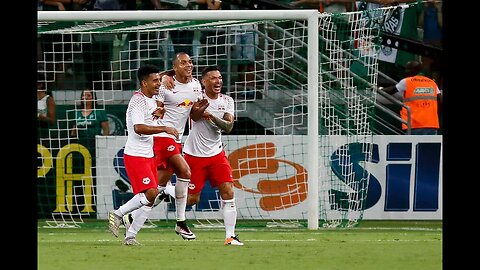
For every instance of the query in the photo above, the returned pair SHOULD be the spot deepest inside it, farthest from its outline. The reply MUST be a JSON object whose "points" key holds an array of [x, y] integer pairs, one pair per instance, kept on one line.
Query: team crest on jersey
{"points": [[170, 148], [186, 103], [191, 186], [146, 180]]}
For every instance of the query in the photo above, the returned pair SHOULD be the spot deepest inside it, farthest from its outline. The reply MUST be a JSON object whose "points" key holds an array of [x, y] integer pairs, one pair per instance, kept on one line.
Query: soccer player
{"points": [[177, 104], [138, 154], [203, 149]]}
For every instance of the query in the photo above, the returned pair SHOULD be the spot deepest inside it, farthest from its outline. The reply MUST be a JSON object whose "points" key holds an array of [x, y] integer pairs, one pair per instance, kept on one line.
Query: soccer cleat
{"points": [[182, 229], [131, 241], [164, 196], [114, 222], [127, 220], [233, 241], [161, 197]]}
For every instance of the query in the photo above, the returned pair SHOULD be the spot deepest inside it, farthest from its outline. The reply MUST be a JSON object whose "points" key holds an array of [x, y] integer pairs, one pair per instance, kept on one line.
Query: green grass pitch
{"points": [[372, 245]]}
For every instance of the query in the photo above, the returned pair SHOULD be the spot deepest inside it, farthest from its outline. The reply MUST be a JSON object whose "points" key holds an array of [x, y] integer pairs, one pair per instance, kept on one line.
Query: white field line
{"points": [[319, 231], [221, 240]]}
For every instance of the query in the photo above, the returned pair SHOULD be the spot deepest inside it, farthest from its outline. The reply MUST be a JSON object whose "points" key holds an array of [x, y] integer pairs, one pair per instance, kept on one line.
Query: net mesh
{"points": [[264, 65]]}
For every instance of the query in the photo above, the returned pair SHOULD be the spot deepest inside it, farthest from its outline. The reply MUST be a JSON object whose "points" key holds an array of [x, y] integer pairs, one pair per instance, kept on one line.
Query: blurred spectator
{"points": [[431, 22], [107, 5], [63, 4], [423, 97], [98, 48], [209, 4], [163, 4], [45, 108], [89, 120], [328, 6]]}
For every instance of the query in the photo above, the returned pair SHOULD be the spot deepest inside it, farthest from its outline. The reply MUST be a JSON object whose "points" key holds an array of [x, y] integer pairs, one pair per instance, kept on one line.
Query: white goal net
{"points": [[303, 85]]}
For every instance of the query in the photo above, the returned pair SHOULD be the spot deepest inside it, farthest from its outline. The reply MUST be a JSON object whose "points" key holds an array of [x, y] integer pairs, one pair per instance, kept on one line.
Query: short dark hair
{"points": [[208, 69], [144, 71], [175, 57], [41, 81], [88, 89]]}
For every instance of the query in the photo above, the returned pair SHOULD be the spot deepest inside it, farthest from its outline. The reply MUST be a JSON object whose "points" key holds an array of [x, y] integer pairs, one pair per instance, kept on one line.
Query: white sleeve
{"points": [[138, 106], [200, 93], [161, 94], [230, 106], [401, 85]]}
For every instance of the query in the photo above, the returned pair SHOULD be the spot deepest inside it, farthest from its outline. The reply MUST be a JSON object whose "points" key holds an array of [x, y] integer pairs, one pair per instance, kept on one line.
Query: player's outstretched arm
{"points": [[143, 129]]}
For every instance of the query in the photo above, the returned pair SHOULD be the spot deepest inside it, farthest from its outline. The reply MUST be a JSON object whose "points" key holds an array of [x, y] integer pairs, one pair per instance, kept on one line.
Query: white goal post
{"points": [[322, 120]]}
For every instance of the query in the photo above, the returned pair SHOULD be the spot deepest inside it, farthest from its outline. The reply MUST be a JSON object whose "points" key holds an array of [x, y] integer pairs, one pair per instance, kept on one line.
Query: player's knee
{"points": [[226, 191], [143, 199], [150, 196], [227, 194], [184, 172], [193, 199]]}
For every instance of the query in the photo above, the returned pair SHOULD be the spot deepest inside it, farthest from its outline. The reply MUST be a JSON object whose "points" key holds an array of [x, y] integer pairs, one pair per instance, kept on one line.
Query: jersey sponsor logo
{"points": [[170, 148], [146, 180], [186, 103], [191, 186]]}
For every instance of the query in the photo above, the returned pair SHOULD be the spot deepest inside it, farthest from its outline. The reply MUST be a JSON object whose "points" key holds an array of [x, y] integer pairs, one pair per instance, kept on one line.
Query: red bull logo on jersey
{"points": [[186, 103]]}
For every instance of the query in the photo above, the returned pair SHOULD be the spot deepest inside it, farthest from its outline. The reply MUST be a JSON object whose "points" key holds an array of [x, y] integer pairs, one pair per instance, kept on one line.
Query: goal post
{"points": [[303, 84]]}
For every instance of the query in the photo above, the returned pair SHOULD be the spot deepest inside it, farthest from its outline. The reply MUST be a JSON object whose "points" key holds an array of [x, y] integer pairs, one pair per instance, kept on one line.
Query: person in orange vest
{"points": [[423, 97]]}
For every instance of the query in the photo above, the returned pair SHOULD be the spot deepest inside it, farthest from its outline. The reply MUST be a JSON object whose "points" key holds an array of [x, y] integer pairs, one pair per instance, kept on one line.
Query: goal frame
{"points": [[310, 15]]}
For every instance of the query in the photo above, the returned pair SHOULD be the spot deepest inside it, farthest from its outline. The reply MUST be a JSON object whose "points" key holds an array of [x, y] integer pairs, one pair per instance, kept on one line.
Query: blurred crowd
{"points": [[423, 24]]}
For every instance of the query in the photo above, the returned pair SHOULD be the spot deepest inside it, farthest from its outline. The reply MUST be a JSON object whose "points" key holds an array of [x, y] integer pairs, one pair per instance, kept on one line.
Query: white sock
{"points": [[181, 191], [135, 202], [229, 217], [170, 190], [139, 217]]}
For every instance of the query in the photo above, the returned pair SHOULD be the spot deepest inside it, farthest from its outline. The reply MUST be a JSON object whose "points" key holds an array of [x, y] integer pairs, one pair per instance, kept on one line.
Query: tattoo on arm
{"points": [[225, 124]]}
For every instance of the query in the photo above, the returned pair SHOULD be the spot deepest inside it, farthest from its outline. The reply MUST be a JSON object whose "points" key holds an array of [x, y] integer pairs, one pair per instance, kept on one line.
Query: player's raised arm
{"points": [[167, 80]]}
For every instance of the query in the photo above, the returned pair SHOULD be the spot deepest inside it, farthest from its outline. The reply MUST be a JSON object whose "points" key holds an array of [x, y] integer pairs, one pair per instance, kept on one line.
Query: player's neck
{"points": [[183, 79], [146, 93], [212, 95]]}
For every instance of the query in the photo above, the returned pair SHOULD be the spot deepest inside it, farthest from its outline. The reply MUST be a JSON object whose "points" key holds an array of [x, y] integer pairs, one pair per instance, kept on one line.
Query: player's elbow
{"points": [[229, 127], [138, 129]]}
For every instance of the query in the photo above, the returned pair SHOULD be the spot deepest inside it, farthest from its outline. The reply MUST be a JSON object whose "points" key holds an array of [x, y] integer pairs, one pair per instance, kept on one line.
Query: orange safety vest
{"points": [[421, 97]]}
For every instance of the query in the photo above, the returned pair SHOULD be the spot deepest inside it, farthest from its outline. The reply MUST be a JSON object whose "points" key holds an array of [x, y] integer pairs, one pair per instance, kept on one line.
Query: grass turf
{"points": [[372, 245]]}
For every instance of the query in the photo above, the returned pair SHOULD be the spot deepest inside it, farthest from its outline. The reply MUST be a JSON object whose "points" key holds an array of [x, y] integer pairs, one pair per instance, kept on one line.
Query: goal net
{"points": [[303, 85]]}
